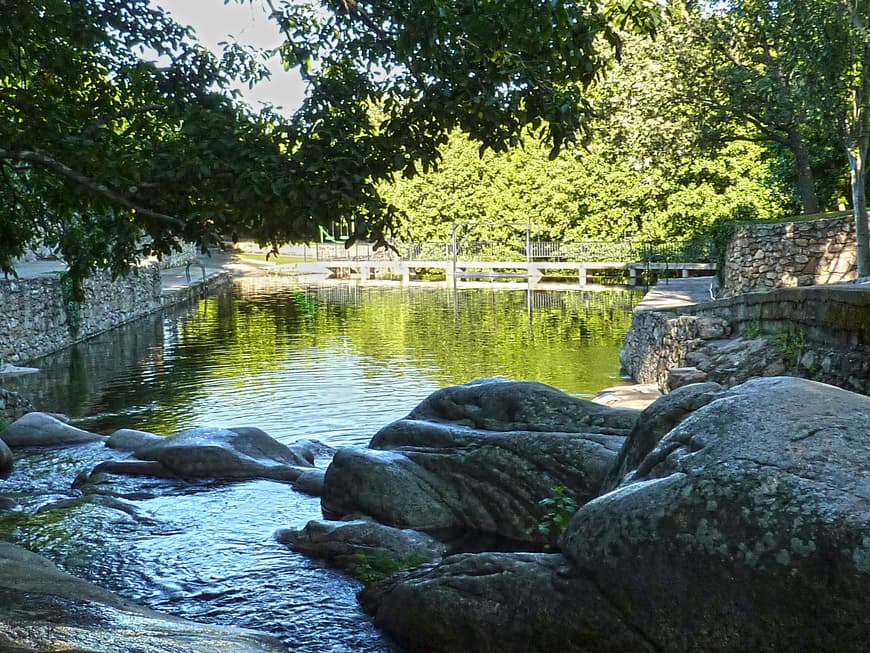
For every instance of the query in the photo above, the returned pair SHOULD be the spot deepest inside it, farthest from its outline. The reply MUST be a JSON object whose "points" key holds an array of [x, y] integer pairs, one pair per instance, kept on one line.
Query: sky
{"points": [[248, 23]]}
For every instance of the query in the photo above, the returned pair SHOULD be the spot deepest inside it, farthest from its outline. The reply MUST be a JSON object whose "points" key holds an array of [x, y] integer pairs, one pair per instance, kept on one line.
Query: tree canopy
{"points": [[119, 136]]}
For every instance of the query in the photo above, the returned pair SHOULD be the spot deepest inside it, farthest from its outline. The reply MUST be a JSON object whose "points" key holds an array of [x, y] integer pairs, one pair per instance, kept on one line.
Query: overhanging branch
{"points": [[45, 160]]}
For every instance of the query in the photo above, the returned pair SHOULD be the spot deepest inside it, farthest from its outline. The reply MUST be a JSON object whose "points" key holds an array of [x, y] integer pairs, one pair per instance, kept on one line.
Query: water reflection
{"points": [[333, 362]]}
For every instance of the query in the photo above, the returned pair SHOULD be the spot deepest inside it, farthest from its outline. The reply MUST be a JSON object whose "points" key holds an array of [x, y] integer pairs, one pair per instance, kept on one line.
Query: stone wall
{"points": [[35, 319], [819, 333], [12, 405], [785, 255]]}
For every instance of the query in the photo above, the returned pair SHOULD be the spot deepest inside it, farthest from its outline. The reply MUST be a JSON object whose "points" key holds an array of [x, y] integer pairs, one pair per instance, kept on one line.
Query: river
{"points": [[333, 363]]}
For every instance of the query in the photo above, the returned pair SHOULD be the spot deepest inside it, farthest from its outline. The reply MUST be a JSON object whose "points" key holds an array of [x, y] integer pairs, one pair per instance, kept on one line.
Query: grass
{"points": [[281, 259]]}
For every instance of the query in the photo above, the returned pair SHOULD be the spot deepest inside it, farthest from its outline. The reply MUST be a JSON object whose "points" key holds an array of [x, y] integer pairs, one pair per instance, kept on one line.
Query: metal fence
{"points": [[591, 251]]}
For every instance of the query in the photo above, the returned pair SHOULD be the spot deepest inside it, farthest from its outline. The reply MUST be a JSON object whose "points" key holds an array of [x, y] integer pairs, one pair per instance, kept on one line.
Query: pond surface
{"points": [[334, 363]]}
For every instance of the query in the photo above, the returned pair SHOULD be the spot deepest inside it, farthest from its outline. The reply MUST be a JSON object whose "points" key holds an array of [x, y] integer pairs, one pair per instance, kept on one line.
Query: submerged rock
{"points": [[362, 543], [447, 466], [747, 527], [43, 430], [44, 609]]}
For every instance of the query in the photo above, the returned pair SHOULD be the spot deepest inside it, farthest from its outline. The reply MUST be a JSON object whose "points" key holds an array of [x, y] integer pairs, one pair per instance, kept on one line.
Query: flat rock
{"points": [[680, 376], [44, 430], [500, 405], [44, 609]]}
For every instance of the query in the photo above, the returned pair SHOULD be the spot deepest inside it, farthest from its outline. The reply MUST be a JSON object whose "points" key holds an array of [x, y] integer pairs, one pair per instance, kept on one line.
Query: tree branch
{"points": [[47, 161]]}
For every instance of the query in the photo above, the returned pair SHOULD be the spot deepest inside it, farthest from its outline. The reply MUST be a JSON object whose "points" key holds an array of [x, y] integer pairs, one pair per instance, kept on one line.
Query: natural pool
{"points": [[333, 363]]}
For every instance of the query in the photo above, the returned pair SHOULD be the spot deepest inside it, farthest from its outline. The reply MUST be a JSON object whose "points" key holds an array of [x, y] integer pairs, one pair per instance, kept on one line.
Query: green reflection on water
{"points": [[567, 339], [330, 356]]}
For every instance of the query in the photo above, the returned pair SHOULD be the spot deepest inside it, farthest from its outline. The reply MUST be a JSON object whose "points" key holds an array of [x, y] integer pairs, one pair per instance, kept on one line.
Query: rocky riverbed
{"points": [[715, 519]]}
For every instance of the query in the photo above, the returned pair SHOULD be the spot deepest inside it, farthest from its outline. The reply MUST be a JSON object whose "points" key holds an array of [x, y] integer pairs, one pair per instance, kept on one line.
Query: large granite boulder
{"points": [[506, 602], [500, 405], [213, 452], [479, 457], [654, 423], [44, 430], [360, 543], [43, 609], [746, 528]]}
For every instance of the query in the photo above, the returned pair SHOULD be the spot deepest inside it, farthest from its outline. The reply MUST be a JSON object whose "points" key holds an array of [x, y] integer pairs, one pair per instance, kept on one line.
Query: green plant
{"points": [[71, 304], [371, 567], [560, 508], [790, 341], [753, 329]]}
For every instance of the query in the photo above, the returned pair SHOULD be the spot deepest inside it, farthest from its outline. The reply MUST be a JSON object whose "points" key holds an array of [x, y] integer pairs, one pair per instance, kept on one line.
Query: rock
{"points": [[43, 430], [350, 544], [507, 602], [313, 452], [499, 405], [446, 467], [8, 369], [680, 376], [746, 528], [212, 452], [45, 609], [5, 458], [131, 439], [7, 503], [654, 423], [310, 481], [637, 396]]}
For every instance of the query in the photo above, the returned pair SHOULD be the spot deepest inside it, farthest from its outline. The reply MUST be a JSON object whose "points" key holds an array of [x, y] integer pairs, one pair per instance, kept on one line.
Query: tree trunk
{"points": [[857, 165], [805, 181]]}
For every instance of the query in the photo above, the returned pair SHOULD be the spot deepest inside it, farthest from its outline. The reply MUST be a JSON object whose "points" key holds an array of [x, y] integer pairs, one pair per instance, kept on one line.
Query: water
{"points": [[334, 363]]}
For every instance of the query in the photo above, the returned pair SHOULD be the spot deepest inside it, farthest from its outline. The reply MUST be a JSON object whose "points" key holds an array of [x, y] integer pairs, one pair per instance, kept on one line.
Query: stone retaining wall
{"points": [[35, 318], [820, 333], [786, 255], [12, 405]]}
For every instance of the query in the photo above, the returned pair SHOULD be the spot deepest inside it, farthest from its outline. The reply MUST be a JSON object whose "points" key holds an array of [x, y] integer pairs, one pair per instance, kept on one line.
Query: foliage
{"points": [[647, 172], [560, 508], [109, 155], [370, 567]]}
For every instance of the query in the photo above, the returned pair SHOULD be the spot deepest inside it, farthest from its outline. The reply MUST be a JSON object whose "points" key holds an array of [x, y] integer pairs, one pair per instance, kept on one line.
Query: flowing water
{"points": [[333, 363]]}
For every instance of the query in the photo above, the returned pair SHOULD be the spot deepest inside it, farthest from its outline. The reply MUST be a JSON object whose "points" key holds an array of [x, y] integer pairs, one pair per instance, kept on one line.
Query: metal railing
{"points": [[591, 251]]}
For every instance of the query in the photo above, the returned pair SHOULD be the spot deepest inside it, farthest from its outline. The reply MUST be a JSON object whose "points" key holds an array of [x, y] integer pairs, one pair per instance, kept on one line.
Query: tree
{"points": [[834, 54], [100, 147], [750, 72], [646, 171]]}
